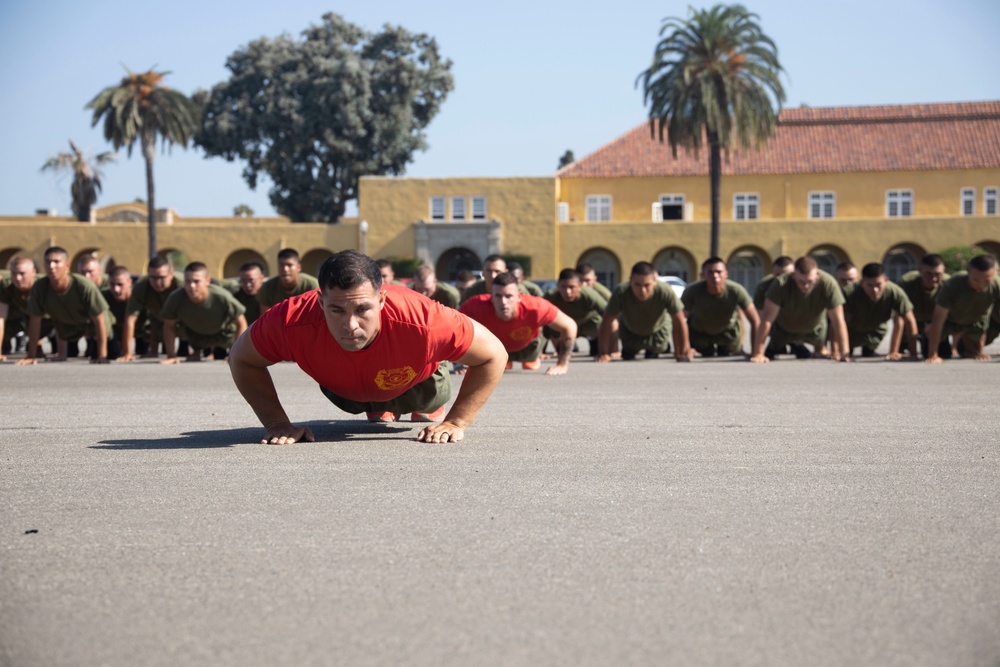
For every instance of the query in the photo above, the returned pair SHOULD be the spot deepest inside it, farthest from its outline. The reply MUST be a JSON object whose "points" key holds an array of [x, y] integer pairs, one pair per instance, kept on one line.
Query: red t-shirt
{"points": [[533, 312], [416, 334]]}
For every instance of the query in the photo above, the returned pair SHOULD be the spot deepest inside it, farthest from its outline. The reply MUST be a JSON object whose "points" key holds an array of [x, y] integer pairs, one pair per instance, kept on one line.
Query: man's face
{"points": [[90, 268], [589, 278], [353, 315], [23, 275], [427, 286], [715, 276], [505, 300], [121, 286], [288, 272], [874, 287], [980, 280], [519, 274], [847, 276], [805, 281], [493, 269], [56, 266], [643, 286], [569, 289], [196, 285], [931, 276], [161, 278], [388, 275], [251, 280]]}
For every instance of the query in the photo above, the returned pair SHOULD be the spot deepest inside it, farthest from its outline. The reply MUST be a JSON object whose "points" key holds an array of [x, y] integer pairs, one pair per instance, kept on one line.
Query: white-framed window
{"points": [[672, 207], [478, 208], [968, 201], [899, 203], [990, 197], [598, 208], [437, 208], [458, 208], [746, 206], [563, 211], [822, 205]]}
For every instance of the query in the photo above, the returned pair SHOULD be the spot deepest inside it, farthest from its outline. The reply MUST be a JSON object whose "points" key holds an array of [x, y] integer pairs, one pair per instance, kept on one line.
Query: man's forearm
{"points": [[477, 385], [897, 334], [762, 334], [34, 331], [101, 332], [169, 338], [257, 388]]}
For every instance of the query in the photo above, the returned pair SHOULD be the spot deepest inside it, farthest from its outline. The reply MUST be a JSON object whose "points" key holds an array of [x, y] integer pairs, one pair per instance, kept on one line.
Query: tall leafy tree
{"points": [[314, 114], [86, 177], [714, 78], [141, 107]]}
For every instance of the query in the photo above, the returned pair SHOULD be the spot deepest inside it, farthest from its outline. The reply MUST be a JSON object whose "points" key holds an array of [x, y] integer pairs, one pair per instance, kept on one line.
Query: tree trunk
{"points": [[149, 153], [715, 172]]}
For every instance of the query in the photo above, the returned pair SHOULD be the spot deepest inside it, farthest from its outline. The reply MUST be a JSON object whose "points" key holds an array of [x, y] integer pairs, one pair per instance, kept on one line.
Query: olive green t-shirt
{"points": [[922, 300], [271, 292], [864, 315], [714, 314], [532, 288], [446, 295], [144, 296], [760, 292], [801, 313], [16, 300], [965, 306], [588, 309], [250, 303], [71, 311], [643, 317], [479, 287], [601, 289], [218, 311], [117, 309]]}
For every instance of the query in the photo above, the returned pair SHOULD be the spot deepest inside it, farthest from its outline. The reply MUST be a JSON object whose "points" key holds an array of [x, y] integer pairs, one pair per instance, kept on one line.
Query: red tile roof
{"points": [[917, 137]]}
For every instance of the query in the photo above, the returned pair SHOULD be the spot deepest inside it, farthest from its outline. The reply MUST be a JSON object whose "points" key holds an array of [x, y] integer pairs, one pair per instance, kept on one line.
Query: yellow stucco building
{"points": [[861, 184]]}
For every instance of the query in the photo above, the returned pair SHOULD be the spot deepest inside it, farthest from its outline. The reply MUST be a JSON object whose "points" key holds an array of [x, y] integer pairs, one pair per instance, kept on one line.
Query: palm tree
{"points": [[712, 79], [86, 177], [140, 107]]}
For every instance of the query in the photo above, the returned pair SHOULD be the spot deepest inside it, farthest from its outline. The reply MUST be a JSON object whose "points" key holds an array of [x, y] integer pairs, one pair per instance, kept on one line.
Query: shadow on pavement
{"points": [[325, 431]]}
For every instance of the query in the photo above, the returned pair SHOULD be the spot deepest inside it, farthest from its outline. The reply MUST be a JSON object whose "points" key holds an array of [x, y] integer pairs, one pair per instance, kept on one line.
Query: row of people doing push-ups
{"points": [[797, 305]]}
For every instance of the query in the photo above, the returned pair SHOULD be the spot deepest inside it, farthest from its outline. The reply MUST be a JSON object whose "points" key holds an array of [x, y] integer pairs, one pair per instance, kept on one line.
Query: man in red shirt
{"points": [[517, 319], [382, 350]]}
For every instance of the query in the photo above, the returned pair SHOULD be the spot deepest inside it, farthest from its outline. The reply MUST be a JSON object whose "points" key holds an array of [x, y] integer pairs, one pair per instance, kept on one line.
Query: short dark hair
{"points": [[158, 262], [783, 261], [872, 270], [423, 271], [55, 250], [643, 269], [348, 269], [20, 259], [195, 266], [504, 279], [465, 275], [569, 274], [712, 260], [805, 264], [289, 253], [583, 268], [117, 271], [932, 259], [514, 266], [492, 258], [383, 263], [247, 266], [983, 262], [846, 266]]}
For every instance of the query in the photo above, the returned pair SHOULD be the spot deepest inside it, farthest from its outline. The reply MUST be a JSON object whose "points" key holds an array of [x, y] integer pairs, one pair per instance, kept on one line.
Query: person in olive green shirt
{"points": [[388, 273], [962, 309], [869, 304], [117, 294], [89, 267], [246, 288], [582, 304], [290, 281], [796, 310], [515, 269], [493, 266], [589, 278], [425, 282], [921, 286], [647, 308], [211, 318], [784, 264], [75, 306], [715, 307]]}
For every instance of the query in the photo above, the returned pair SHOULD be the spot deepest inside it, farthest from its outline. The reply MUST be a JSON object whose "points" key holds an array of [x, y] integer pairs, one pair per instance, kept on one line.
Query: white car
{"points": [[676, 284]]}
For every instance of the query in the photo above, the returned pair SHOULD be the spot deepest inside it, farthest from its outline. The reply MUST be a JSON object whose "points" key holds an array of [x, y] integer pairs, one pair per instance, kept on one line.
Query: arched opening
{"points": [[992, 247], [8, 254], [312, 260], [455, 260], [901, 259], [747, 266], [675, 262], [231, 267], [828, 257], [606, 266]]}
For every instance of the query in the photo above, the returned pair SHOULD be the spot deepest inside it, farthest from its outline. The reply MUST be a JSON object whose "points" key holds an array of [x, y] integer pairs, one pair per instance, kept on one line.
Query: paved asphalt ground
{"points": [[638, 513]]}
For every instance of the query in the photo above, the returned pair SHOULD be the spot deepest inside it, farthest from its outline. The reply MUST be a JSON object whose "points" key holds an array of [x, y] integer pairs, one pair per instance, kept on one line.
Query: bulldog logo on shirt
{"points": [[394, 378], [522, 334]]}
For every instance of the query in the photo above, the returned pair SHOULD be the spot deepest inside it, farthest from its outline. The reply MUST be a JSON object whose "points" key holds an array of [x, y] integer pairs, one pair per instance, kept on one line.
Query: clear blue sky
{"points": [[532, 79]]}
